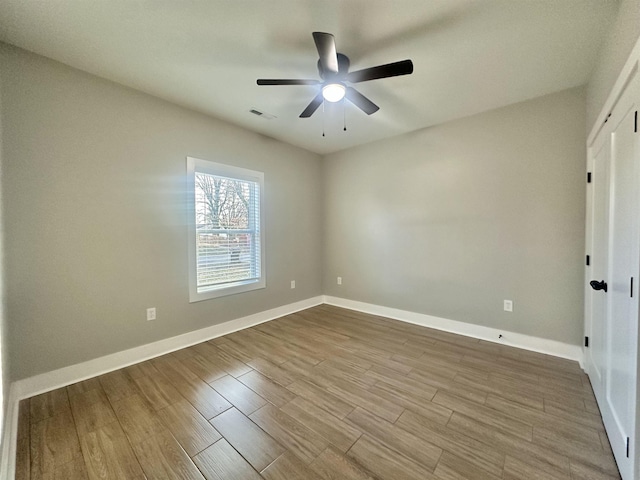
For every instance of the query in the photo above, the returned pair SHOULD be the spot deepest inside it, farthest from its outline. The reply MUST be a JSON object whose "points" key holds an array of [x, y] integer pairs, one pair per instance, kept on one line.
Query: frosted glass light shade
{"points": [[333, 92]]}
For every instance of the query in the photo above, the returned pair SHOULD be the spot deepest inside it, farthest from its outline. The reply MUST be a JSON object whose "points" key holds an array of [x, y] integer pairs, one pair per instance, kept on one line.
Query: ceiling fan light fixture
{"points": [[334, 92]]}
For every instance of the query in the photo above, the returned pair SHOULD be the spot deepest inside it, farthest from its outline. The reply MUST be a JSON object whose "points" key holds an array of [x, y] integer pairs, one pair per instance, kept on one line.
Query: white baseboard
{"points": [[512, 339], [81, 371], [9, 437]]}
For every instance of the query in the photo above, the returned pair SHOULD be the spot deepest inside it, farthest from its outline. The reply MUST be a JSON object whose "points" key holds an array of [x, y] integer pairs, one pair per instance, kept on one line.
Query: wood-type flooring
{"points": [[323, 394]]}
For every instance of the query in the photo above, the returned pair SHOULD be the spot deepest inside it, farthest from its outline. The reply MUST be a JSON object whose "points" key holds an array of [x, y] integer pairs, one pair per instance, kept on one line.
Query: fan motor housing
{"points": [[343, 68]]}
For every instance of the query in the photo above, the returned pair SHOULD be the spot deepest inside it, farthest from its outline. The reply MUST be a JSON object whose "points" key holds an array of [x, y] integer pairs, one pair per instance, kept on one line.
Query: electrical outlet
{"points": [[508, 306], [293, 284], [339, 280], [151, 313]]}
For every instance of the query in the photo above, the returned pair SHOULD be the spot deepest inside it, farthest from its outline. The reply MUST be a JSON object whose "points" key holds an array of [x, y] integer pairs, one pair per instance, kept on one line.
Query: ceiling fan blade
{"points": [[403, 67], [313, 106], [268, 81], [360, 101], [326, 45]]}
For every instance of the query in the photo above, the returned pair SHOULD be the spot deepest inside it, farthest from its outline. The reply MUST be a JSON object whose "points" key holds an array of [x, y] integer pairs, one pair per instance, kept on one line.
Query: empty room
{"points": [[319, 239]]}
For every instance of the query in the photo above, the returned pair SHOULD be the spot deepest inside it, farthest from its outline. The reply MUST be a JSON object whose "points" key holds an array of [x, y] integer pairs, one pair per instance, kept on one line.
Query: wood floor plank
{"points": [[576, 451], [336, 370], [137, 418], [580, 471], [333, 465], [91, 410], [416, 448], [527, 398], [515, 469], [108, 454], [118, 385], [49, 404], [454, 467], [272, 371], [364, 398], [157, 390], [266, 388], [486, 415], [54, 442], [220, 461], [255, 350], [298, 368], [233, 349], [73, 470], [180, 354], [232, 365], [299, 439], [192, 431], [591, 406], [23, 441], [542, 458], [289, 467], [560, 423], [162, 457], [256, 446], [204, 368], [574, 416], [83, 386], [199, 393], [142, 369], [483, 456], [320, 397], [412, 387], [340, 434], [239, 395], [420, 406], [387, 464], [448, 385]]}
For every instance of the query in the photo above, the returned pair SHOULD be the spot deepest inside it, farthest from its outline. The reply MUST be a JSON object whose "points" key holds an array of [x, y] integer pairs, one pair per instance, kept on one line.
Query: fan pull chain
{"points": [[344, 114], [323, 117]]}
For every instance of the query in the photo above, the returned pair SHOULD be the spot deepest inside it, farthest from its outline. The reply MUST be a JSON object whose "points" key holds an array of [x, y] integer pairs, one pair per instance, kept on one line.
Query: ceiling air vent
{"points": [[266, 116]]}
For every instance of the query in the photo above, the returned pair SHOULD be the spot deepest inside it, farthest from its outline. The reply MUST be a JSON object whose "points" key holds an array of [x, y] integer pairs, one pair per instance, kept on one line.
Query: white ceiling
{"points": [[469, 55]]}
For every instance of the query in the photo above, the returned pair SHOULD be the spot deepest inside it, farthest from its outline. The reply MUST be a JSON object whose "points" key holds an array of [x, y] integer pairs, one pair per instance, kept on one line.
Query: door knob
{"points": [[598, 285]]}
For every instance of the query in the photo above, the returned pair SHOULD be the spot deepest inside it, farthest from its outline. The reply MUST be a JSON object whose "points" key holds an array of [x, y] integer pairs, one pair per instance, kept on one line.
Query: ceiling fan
{"points": [[334, 72]]}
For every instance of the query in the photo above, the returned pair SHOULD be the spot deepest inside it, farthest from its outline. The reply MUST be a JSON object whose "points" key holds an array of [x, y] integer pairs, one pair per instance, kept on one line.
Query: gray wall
{"points": [[451, 220], [4, 343], [93, 180], [613, 55]]}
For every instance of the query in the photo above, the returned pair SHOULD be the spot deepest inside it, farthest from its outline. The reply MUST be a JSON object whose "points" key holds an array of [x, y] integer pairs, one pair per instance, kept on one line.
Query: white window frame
{"points": [[204, 166]]}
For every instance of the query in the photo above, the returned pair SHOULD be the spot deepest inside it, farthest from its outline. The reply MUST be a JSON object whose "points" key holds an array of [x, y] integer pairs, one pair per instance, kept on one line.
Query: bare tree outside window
{"points": [[225, 231]]}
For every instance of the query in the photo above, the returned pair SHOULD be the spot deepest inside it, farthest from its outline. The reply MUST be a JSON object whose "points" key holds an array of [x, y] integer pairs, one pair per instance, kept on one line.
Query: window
{"points": [[226, 248]]}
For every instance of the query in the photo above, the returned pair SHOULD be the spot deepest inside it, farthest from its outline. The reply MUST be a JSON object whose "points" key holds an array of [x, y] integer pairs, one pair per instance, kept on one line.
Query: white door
{"points": [[615, 241], [596, 305]]}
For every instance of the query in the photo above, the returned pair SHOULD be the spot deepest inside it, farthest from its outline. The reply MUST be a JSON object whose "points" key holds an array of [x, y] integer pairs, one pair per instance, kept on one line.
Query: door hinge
{"points": [[627, 447], [631, 290], [635, 123], [588, 260], [586, 342], [607, 119], [588, 177]]}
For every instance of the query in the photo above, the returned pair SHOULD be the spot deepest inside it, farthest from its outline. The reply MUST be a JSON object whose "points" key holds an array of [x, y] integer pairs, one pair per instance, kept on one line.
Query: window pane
{"points": [[225, 257], [222, 202]]}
